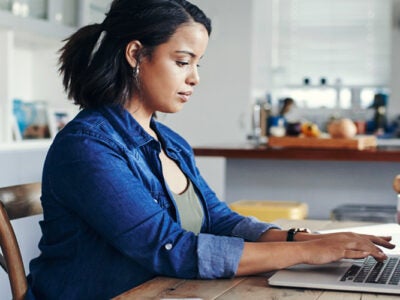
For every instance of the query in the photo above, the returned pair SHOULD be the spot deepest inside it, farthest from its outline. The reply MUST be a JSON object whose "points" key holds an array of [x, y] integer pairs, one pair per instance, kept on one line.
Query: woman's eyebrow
{"points": [[187, 52]]}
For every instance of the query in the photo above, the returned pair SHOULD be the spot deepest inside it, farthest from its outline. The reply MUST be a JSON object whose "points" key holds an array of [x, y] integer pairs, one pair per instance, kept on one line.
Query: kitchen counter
{"points": [[248, 151], [322, 178]]}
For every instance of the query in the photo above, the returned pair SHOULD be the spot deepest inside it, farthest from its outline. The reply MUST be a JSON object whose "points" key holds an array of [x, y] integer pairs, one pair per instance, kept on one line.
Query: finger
{"points": [[380, 256], [382, 241], [368, 246], [385, 238], [355, 254]]}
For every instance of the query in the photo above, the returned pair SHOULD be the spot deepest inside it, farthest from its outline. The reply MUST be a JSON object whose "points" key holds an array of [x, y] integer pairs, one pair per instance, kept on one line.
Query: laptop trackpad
{"points": [[311, 276]]}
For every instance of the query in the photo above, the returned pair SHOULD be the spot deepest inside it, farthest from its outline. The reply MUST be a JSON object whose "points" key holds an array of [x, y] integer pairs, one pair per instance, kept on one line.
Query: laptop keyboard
{"points": [[372, 271]]}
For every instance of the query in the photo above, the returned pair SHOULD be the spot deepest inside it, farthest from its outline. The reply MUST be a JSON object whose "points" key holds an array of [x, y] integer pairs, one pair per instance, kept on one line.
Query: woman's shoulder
{"points": [[85, 123], [88, 125]]}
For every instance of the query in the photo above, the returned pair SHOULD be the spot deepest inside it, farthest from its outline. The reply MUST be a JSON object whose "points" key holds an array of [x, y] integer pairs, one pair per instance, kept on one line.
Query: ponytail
{"points": [[76, 56]]}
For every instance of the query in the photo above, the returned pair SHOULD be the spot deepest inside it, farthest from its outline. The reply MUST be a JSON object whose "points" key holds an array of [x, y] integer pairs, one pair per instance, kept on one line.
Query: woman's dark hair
{"points": [[92, 62]]}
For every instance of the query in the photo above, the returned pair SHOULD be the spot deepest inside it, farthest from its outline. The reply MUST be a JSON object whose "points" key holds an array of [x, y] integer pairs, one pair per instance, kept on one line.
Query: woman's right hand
{"points": [[333, 247], [270, 254]]}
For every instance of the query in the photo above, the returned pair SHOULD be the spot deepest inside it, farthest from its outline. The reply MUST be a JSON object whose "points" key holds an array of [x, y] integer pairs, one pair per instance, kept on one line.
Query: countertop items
{"points": [[358, 142], [342, 128]]}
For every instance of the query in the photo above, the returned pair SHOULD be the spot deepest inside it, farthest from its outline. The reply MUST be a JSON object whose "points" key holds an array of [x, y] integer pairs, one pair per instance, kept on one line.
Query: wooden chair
{"points": [[11, 260], [20, 203]]}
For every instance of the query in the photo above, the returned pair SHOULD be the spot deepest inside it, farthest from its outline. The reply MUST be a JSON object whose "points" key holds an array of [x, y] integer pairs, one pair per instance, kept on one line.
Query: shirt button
{"points": [[168, 246], [155, 200]]}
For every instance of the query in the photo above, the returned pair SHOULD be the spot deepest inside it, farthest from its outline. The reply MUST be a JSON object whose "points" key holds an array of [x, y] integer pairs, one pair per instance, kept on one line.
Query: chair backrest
{"points": [[18, 203], [12, 257], [22, 200]]}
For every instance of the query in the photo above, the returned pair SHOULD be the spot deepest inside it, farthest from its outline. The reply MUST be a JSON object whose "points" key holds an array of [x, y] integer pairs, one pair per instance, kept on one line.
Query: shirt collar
{"points": [[132, 132], [126, 126]]}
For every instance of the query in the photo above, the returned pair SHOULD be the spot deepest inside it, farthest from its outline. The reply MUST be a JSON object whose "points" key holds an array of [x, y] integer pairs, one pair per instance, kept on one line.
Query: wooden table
{"points": [[248, 288]]}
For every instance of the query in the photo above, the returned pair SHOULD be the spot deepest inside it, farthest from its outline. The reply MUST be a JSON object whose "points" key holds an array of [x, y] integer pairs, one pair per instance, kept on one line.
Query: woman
{"points": [[123, 200]]}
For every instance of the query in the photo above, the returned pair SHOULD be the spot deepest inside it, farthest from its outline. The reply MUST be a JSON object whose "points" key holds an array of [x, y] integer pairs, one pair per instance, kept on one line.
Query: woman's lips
{"points": [[185, 96]]}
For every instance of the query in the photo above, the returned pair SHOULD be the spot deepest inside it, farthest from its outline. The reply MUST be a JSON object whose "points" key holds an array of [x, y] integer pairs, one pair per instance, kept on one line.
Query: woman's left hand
{"points": [[383, 241]]}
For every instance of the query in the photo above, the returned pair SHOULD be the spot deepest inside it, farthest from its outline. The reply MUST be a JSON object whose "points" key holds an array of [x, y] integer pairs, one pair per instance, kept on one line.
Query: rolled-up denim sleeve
{"points": [[219, 256], [250, 229]]}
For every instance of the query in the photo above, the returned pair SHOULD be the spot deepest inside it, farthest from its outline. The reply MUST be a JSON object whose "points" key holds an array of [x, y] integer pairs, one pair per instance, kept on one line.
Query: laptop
{"points": [[362, 275]]}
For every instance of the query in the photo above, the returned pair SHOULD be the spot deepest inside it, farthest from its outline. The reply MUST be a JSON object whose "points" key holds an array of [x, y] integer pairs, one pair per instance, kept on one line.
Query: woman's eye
{"points": [[182, 63]]}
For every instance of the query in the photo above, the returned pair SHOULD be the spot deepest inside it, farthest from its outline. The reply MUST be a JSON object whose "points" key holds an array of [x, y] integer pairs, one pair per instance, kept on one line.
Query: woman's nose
{"points": [[194, 78]]}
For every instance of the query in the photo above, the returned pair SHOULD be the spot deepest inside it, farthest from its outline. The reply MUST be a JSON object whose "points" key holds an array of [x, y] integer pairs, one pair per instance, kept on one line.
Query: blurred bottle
{"points": [[20, 114], [286, 106], [278, 127], [265, 113], [260, 113], [38, 126], [256, 120], [380, 120]]}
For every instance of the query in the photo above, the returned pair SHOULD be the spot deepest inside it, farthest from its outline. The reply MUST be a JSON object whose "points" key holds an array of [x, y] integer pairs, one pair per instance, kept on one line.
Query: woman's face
{"points": [[168, 77]]}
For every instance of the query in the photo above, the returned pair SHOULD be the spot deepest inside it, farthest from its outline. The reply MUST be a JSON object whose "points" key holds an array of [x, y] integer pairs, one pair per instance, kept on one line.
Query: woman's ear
{"points": [[132, 52]]}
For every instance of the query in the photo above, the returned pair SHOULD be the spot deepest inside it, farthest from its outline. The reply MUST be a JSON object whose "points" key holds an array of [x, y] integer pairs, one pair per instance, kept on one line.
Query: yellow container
{"points": [[271, 210]]}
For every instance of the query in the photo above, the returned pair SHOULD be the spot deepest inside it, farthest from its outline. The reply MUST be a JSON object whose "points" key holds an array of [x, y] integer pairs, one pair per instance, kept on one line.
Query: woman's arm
{"points": [[271, 252], [276, 235]]}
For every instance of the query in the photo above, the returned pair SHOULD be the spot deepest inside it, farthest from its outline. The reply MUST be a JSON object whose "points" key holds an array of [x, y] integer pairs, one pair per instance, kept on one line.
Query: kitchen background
{"points": [[331, 57]]}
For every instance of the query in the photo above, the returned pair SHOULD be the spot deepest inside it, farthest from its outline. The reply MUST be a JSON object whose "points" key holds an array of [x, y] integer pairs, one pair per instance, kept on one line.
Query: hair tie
{"points": [[99, 41]]}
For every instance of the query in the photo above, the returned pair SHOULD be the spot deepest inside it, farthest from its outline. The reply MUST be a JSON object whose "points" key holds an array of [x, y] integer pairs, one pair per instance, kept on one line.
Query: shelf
{"points": [[26, 145], [34, 32], [28, 60]]}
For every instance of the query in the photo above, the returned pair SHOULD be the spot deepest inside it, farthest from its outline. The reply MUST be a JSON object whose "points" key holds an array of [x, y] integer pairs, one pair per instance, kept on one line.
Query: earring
{"points": [[135, 71]]}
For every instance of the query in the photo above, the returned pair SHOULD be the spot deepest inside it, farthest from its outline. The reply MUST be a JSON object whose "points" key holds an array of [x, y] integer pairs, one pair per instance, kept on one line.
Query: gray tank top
{"points": [[190, 209]]}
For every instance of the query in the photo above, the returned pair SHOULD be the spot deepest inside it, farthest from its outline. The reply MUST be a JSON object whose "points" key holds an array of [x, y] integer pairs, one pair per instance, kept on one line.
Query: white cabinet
{"points": [[29, 44]]}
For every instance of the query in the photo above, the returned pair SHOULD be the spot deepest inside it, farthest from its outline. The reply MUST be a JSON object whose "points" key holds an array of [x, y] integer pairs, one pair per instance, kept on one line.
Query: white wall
{"points": [[21, 83], [45, 62], [394, 101], [22, 165], [215, 112], [262, 39], [28, 234]]}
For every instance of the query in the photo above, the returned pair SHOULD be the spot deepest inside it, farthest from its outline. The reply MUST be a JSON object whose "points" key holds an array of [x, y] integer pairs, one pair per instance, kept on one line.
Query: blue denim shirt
{"points": [[110, 222]]}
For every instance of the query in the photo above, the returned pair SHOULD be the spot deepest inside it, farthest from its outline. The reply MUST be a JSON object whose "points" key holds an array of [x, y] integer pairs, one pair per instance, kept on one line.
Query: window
{"points": [[343, 43]]}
